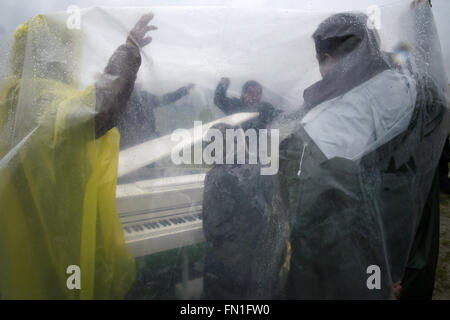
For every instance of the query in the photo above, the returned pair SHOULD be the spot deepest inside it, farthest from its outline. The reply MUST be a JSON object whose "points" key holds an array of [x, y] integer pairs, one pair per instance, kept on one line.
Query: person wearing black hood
{"points": [[356, 172], [250, 101]]}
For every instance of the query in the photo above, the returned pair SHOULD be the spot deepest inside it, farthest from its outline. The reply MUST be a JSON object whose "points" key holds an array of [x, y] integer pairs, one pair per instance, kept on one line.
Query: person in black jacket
{"points": [[246, 237], [357, 173], [137, 123], [250, 101], [115, 86]]}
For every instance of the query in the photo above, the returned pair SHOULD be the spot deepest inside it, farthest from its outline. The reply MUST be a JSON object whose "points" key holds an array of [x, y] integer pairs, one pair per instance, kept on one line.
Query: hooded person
{"points": [[246, 237], [59, 229], [356, 172], [250, 101]]}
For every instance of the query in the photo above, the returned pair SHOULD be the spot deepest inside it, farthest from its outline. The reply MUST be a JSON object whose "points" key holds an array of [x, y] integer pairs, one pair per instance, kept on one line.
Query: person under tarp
{"points": [[58, 166], [250, 101], [138, 124], [357, 172], [246, 253]]}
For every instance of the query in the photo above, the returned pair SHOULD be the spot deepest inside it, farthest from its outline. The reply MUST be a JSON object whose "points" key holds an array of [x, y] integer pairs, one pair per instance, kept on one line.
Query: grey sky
{"points": [[14, 12]]}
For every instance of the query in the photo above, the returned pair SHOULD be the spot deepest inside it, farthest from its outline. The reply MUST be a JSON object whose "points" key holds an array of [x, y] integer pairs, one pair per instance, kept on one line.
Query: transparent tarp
{"points": [[130, 163]]}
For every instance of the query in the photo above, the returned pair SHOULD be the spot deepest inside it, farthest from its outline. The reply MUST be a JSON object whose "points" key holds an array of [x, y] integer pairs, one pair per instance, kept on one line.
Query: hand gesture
{"points": [[137, 36], [416, 2], [398, 290], [225, 82], [185, 90]]}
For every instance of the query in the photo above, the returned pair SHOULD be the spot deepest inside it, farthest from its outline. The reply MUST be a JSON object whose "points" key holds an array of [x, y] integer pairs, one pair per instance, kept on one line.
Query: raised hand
{"points": [[416, 2], [137, 36], [398, 290], [225, 82], [185, 90]]}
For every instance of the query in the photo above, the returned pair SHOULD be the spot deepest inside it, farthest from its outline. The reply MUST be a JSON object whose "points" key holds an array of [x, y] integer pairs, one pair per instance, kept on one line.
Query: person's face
{"points": [[326, 64], [252, 96]]}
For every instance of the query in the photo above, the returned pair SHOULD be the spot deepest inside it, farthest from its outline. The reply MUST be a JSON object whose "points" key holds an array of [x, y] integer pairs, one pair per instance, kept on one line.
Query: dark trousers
{"points": [[418, 281], [444, 160]]}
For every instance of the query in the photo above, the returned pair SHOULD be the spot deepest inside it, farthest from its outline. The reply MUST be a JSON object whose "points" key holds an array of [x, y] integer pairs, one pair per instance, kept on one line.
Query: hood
{"points": [[359, 57]]}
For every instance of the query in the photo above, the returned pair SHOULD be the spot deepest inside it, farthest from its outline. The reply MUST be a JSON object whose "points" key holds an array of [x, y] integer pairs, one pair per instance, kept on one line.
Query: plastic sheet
{"points": [[358, 135]]}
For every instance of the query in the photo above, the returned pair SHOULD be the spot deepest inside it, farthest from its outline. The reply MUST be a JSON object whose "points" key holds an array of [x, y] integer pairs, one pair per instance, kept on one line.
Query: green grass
{"points": [[157, 274], [442, 283]]}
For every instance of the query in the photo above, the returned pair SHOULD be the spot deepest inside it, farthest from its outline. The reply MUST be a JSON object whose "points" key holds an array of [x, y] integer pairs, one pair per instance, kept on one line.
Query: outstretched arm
{"points": [[227, 105], [171, 97], [114, 88]]}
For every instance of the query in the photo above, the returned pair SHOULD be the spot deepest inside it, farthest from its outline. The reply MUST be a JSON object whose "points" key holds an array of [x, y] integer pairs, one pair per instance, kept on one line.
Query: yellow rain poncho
{"points": [[57, 182]]}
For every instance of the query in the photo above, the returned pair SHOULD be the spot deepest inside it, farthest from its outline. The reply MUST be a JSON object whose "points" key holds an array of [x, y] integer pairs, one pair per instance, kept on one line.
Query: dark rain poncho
{"points": [[246, 232], [357, 173], [235, 215]]}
